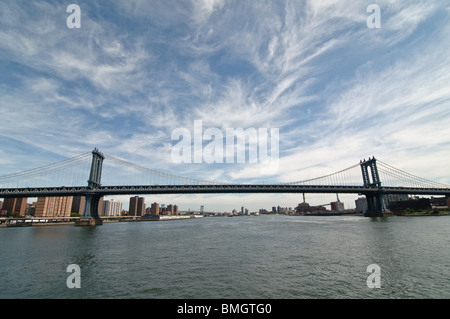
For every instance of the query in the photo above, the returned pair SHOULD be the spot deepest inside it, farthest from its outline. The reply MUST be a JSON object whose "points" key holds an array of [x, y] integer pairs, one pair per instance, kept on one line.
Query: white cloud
{"points": [[337, 90]]}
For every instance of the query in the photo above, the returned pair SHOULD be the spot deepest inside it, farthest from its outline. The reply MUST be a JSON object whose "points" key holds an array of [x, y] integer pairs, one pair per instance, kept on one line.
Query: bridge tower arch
{"points": [[371, 179]]}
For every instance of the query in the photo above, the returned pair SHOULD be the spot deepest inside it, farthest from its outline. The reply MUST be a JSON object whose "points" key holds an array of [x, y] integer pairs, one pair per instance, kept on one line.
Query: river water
{"points": [[288, 257]]}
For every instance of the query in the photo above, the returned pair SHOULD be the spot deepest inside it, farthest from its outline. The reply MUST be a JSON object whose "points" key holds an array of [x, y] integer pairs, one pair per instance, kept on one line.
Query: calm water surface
{"points": [[241, 257]]}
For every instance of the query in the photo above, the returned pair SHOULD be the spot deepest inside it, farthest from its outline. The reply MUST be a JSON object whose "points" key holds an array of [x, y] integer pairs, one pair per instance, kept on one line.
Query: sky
{"points": [[133, 72]]}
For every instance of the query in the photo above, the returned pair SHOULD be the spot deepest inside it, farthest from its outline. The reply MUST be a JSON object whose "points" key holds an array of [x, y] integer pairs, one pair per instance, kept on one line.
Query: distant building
{"points": [[413, 203], [388, 198], [168, 210], [361, 205], [337, 206], [439, 201], [305, 208], [318, 209], [112, 208], [302, 208], [15, 205], [78, 204], [53, 206], [137, 206], [154, 210], [31, 210]]}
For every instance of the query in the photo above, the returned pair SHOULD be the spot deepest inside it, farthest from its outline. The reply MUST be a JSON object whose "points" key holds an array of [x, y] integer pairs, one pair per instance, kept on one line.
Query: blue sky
{"points": [[337, 90]]}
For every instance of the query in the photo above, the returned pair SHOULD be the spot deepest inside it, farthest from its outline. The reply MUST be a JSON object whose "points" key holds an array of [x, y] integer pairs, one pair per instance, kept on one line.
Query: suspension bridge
{"points": [[68, 178]]}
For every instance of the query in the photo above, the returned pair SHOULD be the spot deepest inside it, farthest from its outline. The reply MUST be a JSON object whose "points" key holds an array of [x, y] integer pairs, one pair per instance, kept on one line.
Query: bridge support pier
{"points": [[88, 222], [374, 205], [90, 215]]}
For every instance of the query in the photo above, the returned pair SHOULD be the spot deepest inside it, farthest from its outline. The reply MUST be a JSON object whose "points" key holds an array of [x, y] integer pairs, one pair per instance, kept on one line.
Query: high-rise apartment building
{"points": [[53, 206], [154, 209], [15, 205], [78, 204], [137, 206], [112, 208]]}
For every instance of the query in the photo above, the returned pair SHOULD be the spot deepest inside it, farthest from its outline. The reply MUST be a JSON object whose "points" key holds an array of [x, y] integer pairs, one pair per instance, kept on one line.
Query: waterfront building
{"points": [[389, 198], [169, 210], [154, 209], [137, 206], [412, 203], [440, 202], [15, 205], [31, 210], [54, 206], [112, 208], [302, 208], [78, 204], [361, 205], [337, 206]]}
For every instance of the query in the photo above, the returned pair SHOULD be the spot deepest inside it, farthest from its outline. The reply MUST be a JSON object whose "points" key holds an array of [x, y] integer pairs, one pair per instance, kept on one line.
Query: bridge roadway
{"points": [[221, 188]]}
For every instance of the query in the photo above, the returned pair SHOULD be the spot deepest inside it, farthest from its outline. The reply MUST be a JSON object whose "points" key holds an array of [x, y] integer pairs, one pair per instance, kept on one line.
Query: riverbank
{"points": [[422, 214], [54, 221], [434, 211]]}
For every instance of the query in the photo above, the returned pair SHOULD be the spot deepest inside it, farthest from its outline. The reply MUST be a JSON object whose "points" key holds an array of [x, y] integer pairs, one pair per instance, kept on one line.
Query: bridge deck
{"points": [[223, 188]]}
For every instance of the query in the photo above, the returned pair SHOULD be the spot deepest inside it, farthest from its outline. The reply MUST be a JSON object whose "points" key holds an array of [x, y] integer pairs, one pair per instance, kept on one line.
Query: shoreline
{"points": [[422, 215], [57, 221]]}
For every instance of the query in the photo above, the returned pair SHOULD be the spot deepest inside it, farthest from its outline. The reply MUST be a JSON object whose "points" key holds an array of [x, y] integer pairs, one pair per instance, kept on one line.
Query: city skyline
{"points": [[133, 72]]}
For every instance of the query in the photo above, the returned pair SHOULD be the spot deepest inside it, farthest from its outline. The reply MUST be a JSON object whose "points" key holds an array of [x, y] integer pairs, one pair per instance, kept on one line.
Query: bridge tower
{"points": [[371, 179], [95, 176], [90, 215]]}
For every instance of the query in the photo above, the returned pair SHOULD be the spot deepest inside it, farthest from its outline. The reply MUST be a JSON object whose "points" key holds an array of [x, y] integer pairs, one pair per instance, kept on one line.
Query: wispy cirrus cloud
{"points": [[136, 70]]}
